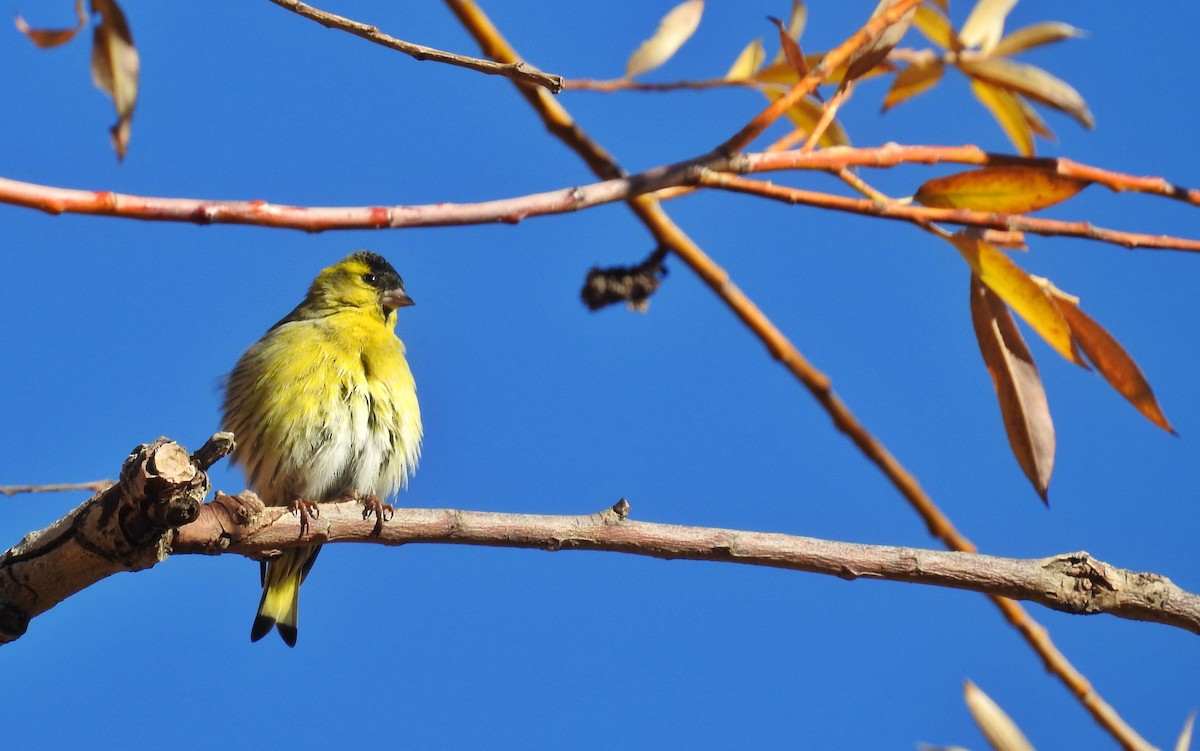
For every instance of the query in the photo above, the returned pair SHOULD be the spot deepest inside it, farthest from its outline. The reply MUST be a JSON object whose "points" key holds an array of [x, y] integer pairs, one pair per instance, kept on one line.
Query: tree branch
{"points": [[518, 71], [94, 486]]}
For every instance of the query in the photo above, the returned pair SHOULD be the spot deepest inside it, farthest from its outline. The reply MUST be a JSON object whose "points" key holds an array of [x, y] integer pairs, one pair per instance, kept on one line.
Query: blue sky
{"points": [[117, 331]]}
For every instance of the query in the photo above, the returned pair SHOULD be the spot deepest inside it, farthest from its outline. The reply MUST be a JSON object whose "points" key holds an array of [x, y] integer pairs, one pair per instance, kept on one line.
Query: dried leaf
{"points": [[805, 114], [1012, 189], [115, 67], [1021, 292], [747, 62], [876, 51], [1035, 35], [675, 28], [1001, 732], [795, 27], [913, 80], [791, 49], [1111, 359], [47, 38], [985, 25], [1032, 82], [784, 74], [936, 27], [1185, 737], [1008, 113]]}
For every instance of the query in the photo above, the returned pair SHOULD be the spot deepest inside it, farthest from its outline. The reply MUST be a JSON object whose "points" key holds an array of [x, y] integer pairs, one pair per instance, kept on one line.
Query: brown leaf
{"points": [[46, 38], [913, 80], [115, 67], [1019, 391], [791, 49], [1111, 359], [747, 62], [675, 28], [795, 27], [999, 729], [876, 51], [1032, 82], [1035, 35], [1012, 189], [985, 24]]}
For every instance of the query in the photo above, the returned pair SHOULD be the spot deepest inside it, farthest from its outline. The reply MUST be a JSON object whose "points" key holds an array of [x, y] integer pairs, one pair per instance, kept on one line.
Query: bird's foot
{"points": [[382, 511], [305, 509]]}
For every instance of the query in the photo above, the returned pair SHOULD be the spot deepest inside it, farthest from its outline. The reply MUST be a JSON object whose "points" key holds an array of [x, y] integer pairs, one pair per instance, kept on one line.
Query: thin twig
{"points": [[925, 214], [611, 85], [517, 70], [94, 486]]}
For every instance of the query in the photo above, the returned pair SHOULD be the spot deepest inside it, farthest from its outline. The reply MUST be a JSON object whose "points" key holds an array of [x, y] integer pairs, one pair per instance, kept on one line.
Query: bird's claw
{"points": [[382, 511], [305, 509]]}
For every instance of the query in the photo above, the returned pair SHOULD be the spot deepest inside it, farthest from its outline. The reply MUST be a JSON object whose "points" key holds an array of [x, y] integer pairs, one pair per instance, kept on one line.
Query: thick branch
{"points": [[518, 71]]}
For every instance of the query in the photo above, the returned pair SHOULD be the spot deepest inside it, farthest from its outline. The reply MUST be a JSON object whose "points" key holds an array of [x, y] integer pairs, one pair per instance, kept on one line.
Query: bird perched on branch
{"points": [[324, 408]]}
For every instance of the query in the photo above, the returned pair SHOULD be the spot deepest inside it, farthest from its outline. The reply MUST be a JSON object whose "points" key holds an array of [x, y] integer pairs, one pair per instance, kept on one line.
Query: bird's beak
{"points": [[396, 298]]}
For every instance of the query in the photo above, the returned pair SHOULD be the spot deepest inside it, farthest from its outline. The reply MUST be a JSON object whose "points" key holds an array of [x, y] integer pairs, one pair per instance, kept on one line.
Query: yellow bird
{"points": [[324, 407]]}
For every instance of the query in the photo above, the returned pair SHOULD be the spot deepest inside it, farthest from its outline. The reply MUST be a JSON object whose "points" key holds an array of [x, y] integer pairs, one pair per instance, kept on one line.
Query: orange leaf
{"points": [[1019, 391], [675, 28], [115, 67], [1023, 294], [876, 51], [1111, 359], [1033, 82], [795, 27], [913, 80], [1008, 189], [46, 38], [791, 49]]}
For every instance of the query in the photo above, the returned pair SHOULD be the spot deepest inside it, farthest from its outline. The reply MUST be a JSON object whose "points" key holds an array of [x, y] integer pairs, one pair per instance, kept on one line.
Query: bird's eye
{"points": [[370, 279]]}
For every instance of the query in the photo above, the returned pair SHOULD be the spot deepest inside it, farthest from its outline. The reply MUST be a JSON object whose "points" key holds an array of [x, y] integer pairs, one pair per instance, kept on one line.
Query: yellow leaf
{"points": [[1001, 732], [985, 25], [1008, 113], [1031, 81], [795, 26], [747, 62], [1025, 296], [805, 114], [46, 38], [675, 28], [913, 80], [1035, 35], [1111, 359], [935, 26], [1015, 189], [115, 67]]}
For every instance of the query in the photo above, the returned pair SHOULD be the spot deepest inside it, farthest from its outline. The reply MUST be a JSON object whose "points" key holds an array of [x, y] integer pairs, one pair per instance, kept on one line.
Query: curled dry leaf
{"points": [[795, 27], [1035, 35], [115, 67], [936, 27], [791, 49], [876, 51], [999, 729], [46, 38], [747, 63], [913, 80], [1015, 189], [1111, 359], [675, 28], [985, 25], [1019, 392], [1020, 291], [1030, 81]]}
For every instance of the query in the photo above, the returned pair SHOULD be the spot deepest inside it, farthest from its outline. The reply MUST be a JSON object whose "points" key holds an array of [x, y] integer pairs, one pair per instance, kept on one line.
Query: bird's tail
{"points": [[281, 580]]}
